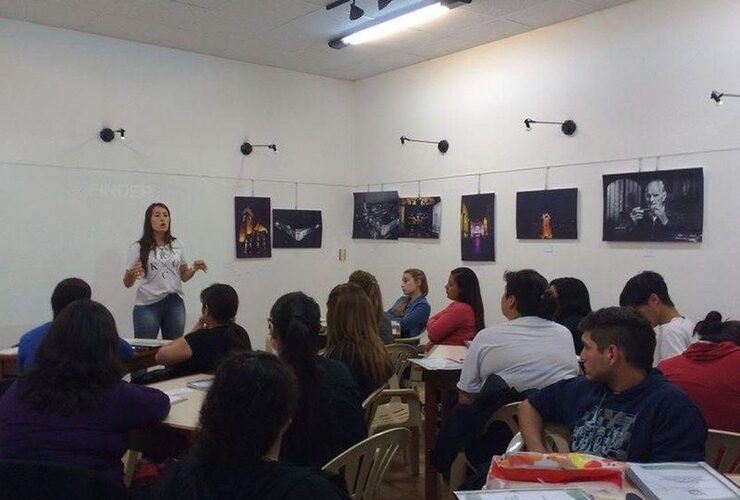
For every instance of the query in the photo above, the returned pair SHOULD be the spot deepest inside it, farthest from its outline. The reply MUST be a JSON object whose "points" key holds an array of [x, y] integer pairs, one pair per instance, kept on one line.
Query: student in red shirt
{"points": [[709, 372], [463, 318]]}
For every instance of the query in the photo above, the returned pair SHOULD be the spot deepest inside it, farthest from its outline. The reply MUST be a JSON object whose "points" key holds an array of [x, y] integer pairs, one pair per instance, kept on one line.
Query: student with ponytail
{"points": [[370, 286], [215, 335], [329, 417], [709, 372], [529, 351]]}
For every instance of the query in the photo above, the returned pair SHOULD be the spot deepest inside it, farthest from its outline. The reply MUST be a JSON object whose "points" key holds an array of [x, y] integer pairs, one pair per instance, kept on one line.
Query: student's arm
{"points": [[177, 351], [679, 436], [531, 426], [447, 322], [416, 318], [125, 350], [134, 269], [139, 406], [471, 381]]}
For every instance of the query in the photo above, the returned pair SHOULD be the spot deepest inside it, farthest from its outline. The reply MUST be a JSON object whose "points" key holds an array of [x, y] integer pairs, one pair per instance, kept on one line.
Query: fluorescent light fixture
{"points": [[409, 19]]}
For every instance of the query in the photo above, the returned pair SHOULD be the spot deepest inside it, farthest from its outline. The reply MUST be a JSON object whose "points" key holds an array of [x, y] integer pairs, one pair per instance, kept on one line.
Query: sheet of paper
{"points": [[681, 481], [534, 494], [202, 385], [146, 342], [178, 395], [438, 363]]}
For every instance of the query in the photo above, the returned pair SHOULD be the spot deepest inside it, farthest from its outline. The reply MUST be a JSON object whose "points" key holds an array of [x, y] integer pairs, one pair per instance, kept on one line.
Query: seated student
{"points": [[329, 418], [411, 310], [244, 417], [67, 291], [214, 335], [351, 339], [462, 318], [648, 293], [622, 409], [72, 407], [529, 351], [370, 286], [574, 304], [709, 372]]}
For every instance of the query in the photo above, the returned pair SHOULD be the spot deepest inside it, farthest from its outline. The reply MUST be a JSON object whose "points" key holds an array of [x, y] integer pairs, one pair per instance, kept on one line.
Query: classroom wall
{"points": [[636, 78], [71, 204]]}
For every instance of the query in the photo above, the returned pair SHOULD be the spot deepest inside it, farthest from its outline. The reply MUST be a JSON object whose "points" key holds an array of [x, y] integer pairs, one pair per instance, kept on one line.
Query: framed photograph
{"points": [[252, 227], [420, 217], [664, 205], [296, 228], [376, 215], [551, 214], [476, 227]]}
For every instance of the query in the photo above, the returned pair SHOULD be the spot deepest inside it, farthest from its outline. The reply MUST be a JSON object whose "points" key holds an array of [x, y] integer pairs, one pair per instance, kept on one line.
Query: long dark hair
{"points": [[296, 321], [467, 282], [713, 329], [573, 297], [147, 242], [223, 302], [352, 333], [370, 286], [253, 397], [77, 363], [532, 293]]}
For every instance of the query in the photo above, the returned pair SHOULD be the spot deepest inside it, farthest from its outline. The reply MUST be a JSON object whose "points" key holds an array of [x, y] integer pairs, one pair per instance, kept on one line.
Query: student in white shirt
{"points": [[158, 259], [648, 293], [529, 351]]}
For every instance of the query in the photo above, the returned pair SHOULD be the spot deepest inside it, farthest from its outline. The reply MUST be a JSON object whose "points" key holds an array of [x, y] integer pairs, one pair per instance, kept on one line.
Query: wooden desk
{"points": [[175, 434], [143, 357], [438, 385]]}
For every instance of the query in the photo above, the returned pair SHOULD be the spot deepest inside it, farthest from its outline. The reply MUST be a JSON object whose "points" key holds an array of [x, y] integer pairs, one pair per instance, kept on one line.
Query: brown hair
{"points": [[370, 286], [419, 276], [352, 332]]}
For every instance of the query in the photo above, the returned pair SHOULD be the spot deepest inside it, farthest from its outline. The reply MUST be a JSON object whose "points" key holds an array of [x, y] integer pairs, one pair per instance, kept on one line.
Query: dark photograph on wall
{"points": [[551, 214], [296, 228], [376, 215], [252, 218], [476, 227], [420, 217], [664, 205]]}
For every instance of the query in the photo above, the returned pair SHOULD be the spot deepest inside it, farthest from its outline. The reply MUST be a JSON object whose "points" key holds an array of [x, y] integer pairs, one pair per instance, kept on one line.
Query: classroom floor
{"points": [[400, 483]]}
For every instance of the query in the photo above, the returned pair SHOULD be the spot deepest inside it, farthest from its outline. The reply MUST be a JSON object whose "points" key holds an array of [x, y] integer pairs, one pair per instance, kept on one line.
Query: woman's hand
{"points": [[200, 265], [132, 274], [401, 307]]}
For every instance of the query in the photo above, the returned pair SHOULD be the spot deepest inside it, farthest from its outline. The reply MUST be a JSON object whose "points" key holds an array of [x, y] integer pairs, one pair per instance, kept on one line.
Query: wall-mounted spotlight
{"points": [[568, 127], [108, 135], [717, 96], [247, 148], [402, 19], [442, 145]]}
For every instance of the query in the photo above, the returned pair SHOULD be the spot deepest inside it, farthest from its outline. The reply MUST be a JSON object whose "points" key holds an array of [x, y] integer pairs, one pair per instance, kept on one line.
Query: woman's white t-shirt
{"points": [[163, 272]]}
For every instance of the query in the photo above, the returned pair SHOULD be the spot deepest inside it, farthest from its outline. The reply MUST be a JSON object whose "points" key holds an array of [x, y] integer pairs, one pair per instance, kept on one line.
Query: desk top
{"points": [[184, 414], [443, 358]]}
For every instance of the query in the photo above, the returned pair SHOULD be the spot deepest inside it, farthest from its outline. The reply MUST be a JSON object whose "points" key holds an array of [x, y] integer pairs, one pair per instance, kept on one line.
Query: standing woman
{"points": [[411, 310], [158, 259], [351, 325], [463, 318]]}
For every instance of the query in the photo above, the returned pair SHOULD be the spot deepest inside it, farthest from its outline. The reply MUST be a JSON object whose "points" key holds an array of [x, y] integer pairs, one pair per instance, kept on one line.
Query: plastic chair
{"points": [[36, 480], [400, 355], [371, 404], [557, 439], [414, 341], [722, 451], [365, 464]]}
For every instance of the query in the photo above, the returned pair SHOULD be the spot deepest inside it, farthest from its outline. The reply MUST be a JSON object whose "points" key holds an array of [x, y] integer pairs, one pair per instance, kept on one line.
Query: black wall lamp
{"points": [[568, 127], [442, 145], [107, 135], [247, 148], [717, 96], [356, 12]]}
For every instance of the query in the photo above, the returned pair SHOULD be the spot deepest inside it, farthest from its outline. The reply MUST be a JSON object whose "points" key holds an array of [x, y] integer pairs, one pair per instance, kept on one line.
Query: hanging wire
{"points": [[657, 163], [368, 188], [479, 176], [296, 196], [418, 189], [252, 187], [639, 164], [382, 187], [547, 177]]}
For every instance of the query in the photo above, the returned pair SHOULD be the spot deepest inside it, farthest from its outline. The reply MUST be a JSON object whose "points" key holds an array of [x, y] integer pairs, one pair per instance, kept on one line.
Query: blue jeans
{"points": [[167, 314]]}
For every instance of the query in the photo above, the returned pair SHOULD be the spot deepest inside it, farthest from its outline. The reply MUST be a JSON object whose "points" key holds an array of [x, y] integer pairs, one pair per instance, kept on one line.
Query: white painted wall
{"points": [[71, 204], [636, 79]]}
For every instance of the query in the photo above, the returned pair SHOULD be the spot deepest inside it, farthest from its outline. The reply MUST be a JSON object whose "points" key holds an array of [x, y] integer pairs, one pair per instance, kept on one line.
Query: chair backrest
{"points": [[507, 414], [31, 480], [557, 439], [371, 403], [365, 464], [722, 451], [400, 355], [414, 341]]}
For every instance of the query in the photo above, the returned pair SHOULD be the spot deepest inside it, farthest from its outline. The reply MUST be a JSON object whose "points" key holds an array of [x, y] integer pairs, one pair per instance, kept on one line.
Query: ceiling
{"points": [[293, 34]]}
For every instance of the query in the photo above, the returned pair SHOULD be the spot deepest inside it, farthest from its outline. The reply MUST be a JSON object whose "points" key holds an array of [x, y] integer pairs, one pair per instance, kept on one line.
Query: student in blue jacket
{"points": [[67, 291], [411, 310], [622, 409]]}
